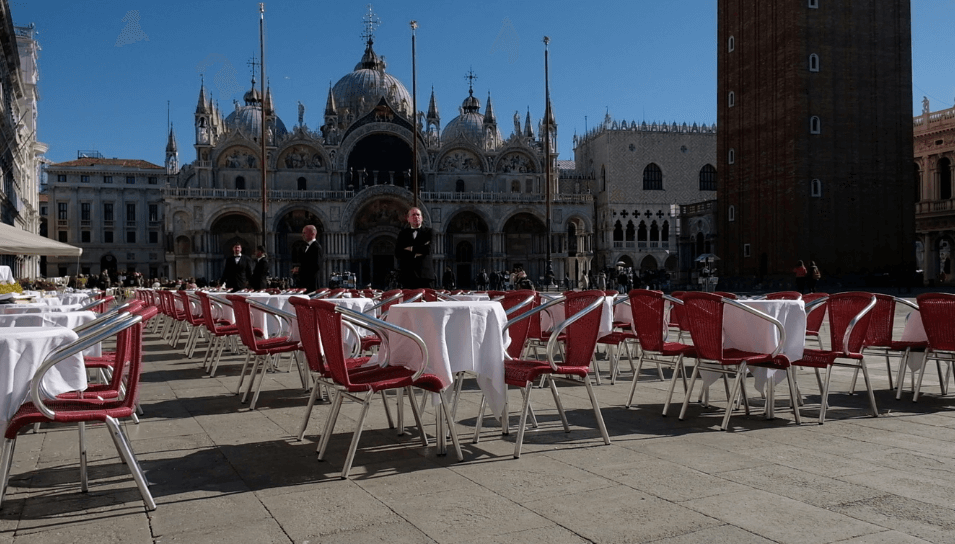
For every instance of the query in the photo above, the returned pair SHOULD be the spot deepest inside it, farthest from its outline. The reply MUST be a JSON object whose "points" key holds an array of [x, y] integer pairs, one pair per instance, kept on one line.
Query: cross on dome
{"points": [[371, 22]]}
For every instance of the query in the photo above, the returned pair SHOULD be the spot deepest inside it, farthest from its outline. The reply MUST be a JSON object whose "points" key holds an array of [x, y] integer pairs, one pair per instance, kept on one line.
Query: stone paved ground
{"points": [[222, 473]]}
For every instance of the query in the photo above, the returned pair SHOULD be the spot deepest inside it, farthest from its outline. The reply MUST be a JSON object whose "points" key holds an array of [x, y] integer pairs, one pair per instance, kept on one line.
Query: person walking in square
{"points": [[310, 268], [260, 272], [237, 270]]}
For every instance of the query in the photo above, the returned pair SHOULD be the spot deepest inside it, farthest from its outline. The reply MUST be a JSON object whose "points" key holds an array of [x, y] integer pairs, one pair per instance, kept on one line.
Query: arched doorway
{"points": [[524, 239], [289, 245], [226, 232], [377, 224], [379, 159], [467, 228], [649, 263], [108, 262]]}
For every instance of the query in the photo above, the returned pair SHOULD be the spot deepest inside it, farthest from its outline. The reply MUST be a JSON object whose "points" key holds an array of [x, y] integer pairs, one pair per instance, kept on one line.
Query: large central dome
{"points": [[362, 89]]}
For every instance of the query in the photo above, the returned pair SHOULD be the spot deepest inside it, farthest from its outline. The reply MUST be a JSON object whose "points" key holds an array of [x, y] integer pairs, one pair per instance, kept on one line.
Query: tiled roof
{"points": [[125, 163]]}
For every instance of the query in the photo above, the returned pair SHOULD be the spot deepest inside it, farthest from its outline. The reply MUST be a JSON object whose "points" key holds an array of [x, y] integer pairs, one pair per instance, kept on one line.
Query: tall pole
{"points": [[262, 105], [414, 116], [547, 195]]}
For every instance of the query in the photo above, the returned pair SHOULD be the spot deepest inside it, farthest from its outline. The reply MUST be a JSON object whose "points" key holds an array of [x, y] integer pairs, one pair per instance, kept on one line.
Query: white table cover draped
{"points": [[22, 351]]}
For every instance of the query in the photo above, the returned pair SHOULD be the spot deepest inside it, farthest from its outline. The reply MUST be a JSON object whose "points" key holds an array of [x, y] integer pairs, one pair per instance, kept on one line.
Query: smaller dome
{"points": [[248, 119], [471, 104]]}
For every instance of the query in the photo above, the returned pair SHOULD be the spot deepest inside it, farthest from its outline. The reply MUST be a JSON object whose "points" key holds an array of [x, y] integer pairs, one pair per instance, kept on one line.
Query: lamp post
{"points": [[549, 274], [414, 116], [262, 107]]}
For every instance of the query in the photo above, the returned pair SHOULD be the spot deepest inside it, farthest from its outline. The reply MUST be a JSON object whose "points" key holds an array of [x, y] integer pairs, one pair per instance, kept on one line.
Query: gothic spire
{"points": [[330, 107], [433, 108], [171, 144], [489, 118], [528, 128], [203, 106]]}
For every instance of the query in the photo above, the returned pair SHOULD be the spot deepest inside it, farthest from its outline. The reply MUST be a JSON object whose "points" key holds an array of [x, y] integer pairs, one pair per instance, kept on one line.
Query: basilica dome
{"points": [[248, 118], [362, 89], [470, 124]]}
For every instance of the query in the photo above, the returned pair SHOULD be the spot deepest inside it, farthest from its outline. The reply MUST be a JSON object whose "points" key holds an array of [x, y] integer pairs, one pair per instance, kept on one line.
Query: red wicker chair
{"points": [[785, 295], [649, 320], [938, 318], [878, 337], [816, 316], [849, 315], [704, 313], [582, 324], [351, 384], [81, 411]]}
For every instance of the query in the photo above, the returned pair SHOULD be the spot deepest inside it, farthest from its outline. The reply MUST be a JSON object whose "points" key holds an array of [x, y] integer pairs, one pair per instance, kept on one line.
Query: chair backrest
{"points": [[676, 312], [133, 357], [332, 341], [815, 317], [582, 332], [190, 309], [704, 317], [518, 329], [649, 309], [938, 318], [207, 315], [308, 334], [243, 320], [785, 295], [879, 332], [725, 294], [844, 309]]}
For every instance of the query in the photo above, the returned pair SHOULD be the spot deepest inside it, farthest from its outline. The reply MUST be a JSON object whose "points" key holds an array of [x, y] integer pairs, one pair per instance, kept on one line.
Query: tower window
{"points": [[732, 99], [731, 213], [813, 62], [731, 44], [815, 125], [814, 4], [731, 156], [815, 188], [746, 250]]}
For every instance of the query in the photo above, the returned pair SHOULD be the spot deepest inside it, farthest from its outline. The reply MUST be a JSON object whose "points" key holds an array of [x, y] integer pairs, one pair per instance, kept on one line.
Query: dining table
{"points": [[22, 351], [461, 336], [69, 320], [554, 316]]}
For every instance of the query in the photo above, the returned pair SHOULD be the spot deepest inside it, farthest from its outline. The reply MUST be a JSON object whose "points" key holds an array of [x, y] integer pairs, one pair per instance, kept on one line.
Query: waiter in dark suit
{"points": [[260, 273], [237, 271], [413, 251], [308, 271]]}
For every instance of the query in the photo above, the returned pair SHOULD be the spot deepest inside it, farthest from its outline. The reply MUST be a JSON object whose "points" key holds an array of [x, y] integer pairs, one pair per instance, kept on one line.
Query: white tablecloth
{"points": [[744, 331], [914, 331], [72, 298], [43, 305], [554, 316], [69, 320], [22, 351], [6, 274], [463, 336], [472, 296]]}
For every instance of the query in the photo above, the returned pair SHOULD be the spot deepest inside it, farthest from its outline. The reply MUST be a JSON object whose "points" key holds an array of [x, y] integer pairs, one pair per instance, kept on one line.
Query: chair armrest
{"points": [[277, 312], [552, 342], [382, 302], [908, 303], [102, 333], [767, 317], [852, 324], [810, 307], [375, 323], [103, 317]]}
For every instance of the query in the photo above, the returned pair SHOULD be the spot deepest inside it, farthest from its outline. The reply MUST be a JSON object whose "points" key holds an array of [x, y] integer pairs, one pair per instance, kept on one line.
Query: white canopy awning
{"points": [[14, 241]]}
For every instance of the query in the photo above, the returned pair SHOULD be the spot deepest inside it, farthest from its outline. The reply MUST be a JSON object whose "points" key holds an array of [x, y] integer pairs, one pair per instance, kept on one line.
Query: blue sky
{"points": [[108, 68]]}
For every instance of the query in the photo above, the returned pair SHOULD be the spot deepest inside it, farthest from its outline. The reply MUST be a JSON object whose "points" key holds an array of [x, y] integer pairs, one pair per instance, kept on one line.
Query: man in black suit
{"points": [[413, 251], [237, 271], [309, 269], [260, 273]]}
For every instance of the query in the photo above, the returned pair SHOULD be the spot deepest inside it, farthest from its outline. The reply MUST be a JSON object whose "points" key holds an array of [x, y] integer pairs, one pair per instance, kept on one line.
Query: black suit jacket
{"points": [[415, 268], [236, 275], [310, 267], [260, 274]]}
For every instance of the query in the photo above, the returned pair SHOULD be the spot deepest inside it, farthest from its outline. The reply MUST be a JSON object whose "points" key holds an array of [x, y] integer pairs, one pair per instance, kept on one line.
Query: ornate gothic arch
{"points": [[372, 193]]}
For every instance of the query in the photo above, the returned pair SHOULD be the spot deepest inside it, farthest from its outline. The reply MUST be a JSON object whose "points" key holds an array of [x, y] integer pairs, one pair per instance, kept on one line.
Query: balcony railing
{"points": [[294, 195]]}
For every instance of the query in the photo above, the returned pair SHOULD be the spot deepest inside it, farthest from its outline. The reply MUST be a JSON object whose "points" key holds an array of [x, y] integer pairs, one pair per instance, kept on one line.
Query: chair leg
{"points": [[256, 363], [825, 396], [678, 369], [127, 454], [84, 481], [633, 382], [384, 401], [689, 392], [330, 424], [265, 366], [560, 406], [245, 364], [480, 420], [316, 390], [740, 374], [417, 416], [454, 435], [793, 396], [6, 462], [918, 384], [523, 421], [868, 386], [356, 435], [597, 414]]}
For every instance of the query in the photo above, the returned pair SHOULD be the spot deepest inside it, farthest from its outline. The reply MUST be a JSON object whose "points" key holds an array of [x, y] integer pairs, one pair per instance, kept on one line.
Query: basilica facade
{"points": [[484, 195]]}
